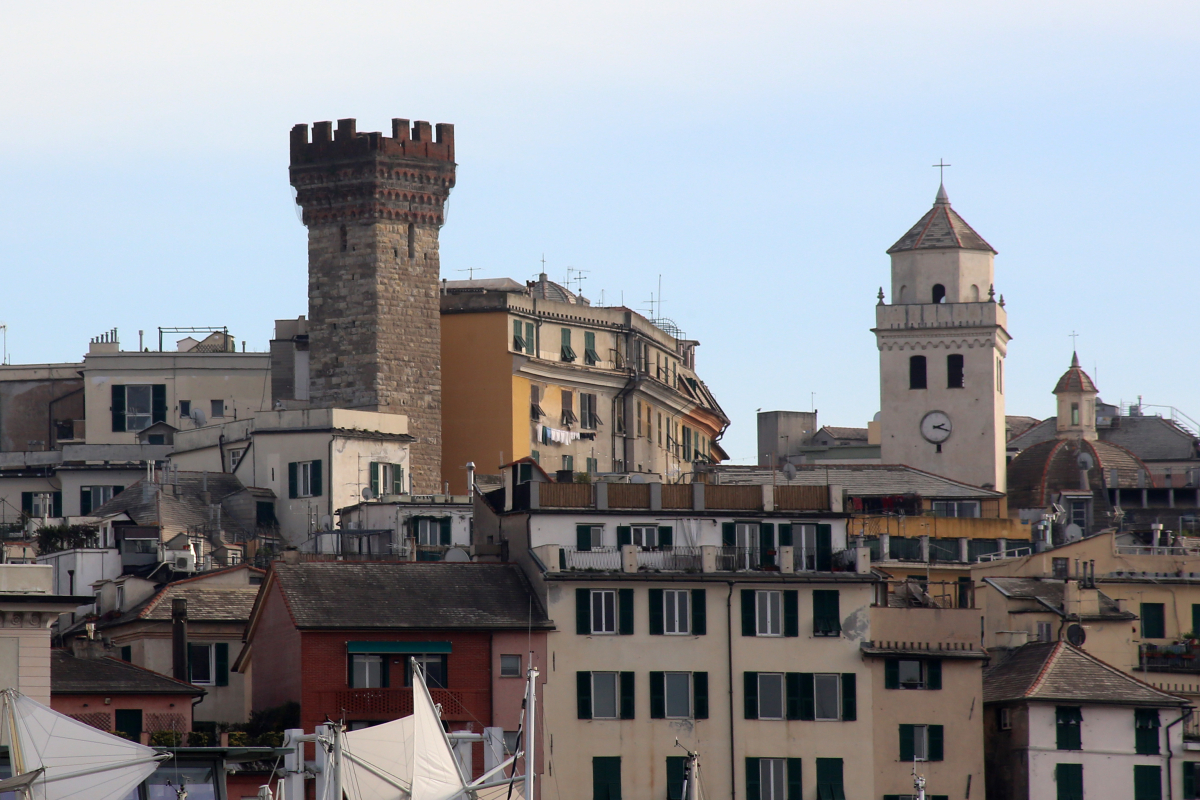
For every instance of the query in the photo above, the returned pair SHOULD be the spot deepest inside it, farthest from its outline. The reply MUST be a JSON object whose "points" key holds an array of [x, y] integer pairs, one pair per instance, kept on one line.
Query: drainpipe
{"points": [[729, 655], [1170, 787], [179, 640]]}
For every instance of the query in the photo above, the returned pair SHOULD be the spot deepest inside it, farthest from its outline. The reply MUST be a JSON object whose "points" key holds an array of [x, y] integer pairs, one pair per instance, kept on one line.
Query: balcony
{"points": [[456, 706], [1180, 657], [603, 496], [689, 559]]}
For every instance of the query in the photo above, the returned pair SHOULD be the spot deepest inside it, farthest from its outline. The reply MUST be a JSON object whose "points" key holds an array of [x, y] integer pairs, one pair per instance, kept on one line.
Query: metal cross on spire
{"points": [[1073, 336], [941, 166]]}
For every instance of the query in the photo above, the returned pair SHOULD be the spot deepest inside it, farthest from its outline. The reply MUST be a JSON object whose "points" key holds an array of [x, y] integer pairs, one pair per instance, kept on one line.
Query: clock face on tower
{"points": [[936, 427]]}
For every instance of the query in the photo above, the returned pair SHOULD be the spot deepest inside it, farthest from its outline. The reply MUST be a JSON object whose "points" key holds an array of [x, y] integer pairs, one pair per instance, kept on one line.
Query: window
{"points": [[235, 458], [768, 613], [912, 673], [606, 778], [1061, 567], [947, 508], [1147, 782], [644, 537], [829, 779], [1044, 632], [510, 666], [1068, 720], [649, 430], [638, 407], [218, 408], [921, 743], [589, 536], [412, 240], [954, 371], [92, 497], [605, 695], [677, 778], [567, 354], [386, 478], [679, 695], [916, 372], [200, 663], [826, 693], [813, 546], [590, 357], [431, 531], [604, 611], [676, 616], [801, 695], [593, 466], [1146, 725], [568, 408], [660, 429], [999, 375], [1004, 719], [588, 418], [568, 463], [826, 616], [129, 722], [938, 293], [1079, 513], [367, 671], [518, 342], [436, 667], [137, 408], [1154, 624], [121, 599], [770, 695], [1069, 779], [1074, 413], [619, 416], [771, 779], [185, 408], [304, 479], [1189, 780]]}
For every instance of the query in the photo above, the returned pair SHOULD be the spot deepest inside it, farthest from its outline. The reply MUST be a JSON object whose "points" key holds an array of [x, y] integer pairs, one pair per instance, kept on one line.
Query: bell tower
{"points": [[942, 341], [374, 205]]}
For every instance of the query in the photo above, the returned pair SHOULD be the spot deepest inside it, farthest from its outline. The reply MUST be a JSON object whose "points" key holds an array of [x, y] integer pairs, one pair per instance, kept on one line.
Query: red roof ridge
{"points": [[1042, 673]]}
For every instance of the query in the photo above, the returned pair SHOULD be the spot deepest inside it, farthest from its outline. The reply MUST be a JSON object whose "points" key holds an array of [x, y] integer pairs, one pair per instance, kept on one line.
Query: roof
{"points": [[941, 229], [1017, 425], [71, 675], [1049, 467], [844, 433], [1050, 592], [859, 480], [340, 594], [1060, 672], [144, 500], [485, 285], [1075, 379], [545, 289]]}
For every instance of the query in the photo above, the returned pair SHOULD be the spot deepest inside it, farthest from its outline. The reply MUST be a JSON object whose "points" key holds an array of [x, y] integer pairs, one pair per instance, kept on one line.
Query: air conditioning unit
{"points": [[181, 560]]}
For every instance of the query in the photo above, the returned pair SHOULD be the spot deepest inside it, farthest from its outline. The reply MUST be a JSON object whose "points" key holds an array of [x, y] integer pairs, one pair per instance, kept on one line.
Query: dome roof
{"points": [[545, 289], [941, 229], [1075, 379], [1049, 467]]}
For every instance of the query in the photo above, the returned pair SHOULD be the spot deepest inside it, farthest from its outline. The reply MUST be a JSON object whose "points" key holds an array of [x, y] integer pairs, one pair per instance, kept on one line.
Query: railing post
{"points": [[656, 497], [534, 501], [708, 557], [885, 547], [697, 497], [924, 540], [629, 558], [768, 497], [601, 491], [787, 561], [964, 551]]}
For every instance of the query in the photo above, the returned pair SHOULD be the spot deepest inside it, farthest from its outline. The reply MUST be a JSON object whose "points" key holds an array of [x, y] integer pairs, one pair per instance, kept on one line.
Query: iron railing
{"points": [[671, 559]]}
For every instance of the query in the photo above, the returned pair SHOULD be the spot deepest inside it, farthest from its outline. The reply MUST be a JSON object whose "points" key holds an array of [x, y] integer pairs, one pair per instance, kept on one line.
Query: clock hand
{"points": [[939, 427]]}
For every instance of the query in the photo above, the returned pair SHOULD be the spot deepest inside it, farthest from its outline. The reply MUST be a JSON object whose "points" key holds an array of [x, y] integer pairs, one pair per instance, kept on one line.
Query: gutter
{"points": [[729, 656], [1170, 787]]}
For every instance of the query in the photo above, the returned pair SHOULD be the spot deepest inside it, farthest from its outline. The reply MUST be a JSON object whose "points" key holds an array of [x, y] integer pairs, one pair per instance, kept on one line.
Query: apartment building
{"points": [[536, 371]]}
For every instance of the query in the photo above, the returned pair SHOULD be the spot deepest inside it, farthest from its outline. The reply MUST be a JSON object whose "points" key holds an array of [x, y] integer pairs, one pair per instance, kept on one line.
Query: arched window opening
{"points": [[916, 372], [903, 294], [954, 371], [1074, 413], [974, 293], [939, 293], [412, 240], [343, 238]]}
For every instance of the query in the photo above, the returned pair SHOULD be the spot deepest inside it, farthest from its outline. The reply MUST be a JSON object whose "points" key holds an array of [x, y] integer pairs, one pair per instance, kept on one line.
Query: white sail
{"points": [[436, 772], [377, 761], [78, 761]]}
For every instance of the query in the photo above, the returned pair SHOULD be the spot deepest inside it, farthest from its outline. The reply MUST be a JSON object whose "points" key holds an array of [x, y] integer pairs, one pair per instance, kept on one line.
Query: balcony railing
{"points": [[671, 559], [607, 559], [1181, 657], [457, 706]]}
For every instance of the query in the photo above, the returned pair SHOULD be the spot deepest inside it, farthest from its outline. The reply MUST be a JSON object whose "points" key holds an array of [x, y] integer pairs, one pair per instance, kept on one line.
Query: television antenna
{"points": [[470, 272], [4, 330]]}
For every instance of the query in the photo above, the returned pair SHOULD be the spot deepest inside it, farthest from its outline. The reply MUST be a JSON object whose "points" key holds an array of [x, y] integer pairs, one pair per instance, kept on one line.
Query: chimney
{"points": [[179, 639], [89, 645]]}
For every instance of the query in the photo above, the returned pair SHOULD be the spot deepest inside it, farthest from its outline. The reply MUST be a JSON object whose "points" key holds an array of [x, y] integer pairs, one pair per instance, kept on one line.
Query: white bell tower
{"points": [[942, 342]]}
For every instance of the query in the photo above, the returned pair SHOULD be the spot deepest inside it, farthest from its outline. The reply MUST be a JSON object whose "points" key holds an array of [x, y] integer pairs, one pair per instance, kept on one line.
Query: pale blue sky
{"points": [[760, 157]]}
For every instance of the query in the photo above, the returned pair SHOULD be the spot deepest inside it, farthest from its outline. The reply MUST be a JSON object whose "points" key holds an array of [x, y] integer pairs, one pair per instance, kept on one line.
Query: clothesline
{"points": [[548, 435]]}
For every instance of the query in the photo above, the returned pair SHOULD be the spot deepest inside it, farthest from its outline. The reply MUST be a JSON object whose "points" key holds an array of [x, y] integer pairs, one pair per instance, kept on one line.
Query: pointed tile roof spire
{"points": [[941, 229], [1075, 379]]}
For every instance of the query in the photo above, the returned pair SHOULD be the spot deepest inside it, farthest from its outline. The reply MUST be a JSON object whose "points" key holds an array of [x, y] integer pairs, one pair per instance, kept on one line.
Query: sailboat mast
{"points": [[531, 727], [13, 736]]}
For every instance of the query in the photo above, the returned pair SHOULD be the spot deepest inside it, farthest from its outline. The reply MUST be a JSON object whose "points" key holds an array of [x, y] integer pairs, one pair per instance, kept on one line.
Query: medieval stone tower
{"points": [[373, 206]]}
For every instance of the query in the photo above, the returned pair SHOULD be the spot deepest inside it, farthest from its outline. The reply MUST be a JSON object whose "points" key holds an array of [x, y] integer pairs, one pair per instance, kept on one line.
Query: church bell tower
{"points": [[942, 341]]}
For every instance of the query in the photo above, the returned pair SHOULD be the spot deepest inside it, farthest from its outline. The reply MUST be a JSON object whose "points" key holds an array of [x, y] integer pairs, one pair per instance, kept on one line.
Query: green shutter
{"points": [[937, 747], [1195, 622], [728, 534], [829, 779], [606, 778], [1069, 720], [583, 688], [849, 697], [625, 612], [766, 543], [891, 673], [624, 535], [795, 787], [529, 338], [56, 501], [808, 702], [785, 534], [583, 537], [1189, 770], [791, 612], [656, 612], [27, 503], [315, 476], [933, 673], [583, 611], [748, 626], [658, 695], [292, 482], [627, 695], [158, 403], [1153, 621], [750, 693], [699, 612], [907, 749], [824, 548], [700, 695], [791, 682], [445, 523], [1146, 725], [118, 408], [753, 780], [675, 770], [518, 339], [374, 470], [222, 659], [666, 536], [85, 500], [397, 479], [1147, 782], [1069, 778], [826, 615]]}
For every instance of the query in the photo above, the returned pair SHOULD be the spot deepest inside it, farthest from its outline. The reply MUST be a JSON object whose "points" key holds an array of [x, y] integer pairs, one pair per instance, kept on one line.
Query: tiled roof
{"points": [[845, 433], [1050, 592], [1059, 672], [71, 675], [859, 480], [357, 595], [205, 603], [941, 228], [1052, 466], [1075, 379], [1017, 425], [144, 501]]}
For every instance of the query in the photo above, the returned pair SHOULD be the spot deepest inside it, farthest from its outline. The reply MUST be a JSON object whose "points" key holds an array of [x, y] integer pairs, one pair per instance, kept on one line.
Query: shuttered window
{"points": [[1147, 782], [1068, 720], [567, 354], [590, 356], [1154, 624], [826, 614], [829, 779], [604, 611], [606, 778], [1069, 781], [1146, 725], [1189, 779], [605, 695]]}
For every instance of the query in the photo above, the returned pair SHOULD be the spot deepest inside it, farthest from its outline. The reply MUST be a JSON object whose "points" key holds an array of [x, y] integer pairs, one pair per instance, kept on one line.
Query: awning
{"points": [[398, 647]]}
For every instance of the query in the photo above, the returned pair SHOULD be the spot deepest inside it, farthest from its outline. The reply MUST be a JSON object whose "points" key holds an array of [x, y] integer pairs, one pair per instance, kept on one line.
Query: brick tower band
{"points": [[373, 206]]}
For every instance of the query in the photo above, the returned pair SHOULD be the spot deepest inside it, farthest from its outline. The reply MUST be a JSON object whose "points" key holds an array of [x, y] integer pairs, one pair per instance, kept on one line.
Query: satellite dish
{"points": [[326, 523], [367, 494], [1085, 461], [456, 555], [1076, 634], [789, 471], [198, 417], [637, 478]]}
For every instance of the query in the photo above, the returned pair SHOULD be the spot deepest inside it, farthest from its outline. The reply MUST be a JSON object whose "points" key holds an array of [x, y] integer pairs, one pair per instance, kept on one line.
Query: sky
{"points": [[757, 158]]}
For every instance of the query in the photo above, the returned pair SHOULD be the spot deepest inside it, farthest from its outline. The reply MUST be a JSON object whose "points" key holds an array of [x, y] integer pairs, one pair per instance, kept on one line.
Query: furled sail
{"points": [[73, 760]]}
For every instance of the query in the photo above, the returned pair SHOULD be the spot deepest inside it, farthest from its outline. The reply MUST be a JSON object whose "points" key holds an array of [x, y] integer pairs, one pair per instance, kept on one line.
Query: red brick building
{"points": [[337, 636]]}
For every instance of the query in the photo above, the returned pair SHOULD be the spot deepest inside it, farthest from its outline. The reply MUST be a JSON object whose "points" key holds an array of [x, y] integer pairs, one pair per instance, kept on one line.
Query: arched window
{"points": [[954, 371], [974, 293], [903, 294], [1074, 413], [412, 240], [939, 293], [342, 237], [916, 372]]}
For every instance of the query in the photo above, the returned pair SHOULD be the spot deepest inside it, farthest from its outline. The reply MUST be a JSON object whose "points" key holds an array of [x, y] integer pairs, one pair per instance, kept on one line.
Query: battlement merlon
{"points": [[328, 145]]}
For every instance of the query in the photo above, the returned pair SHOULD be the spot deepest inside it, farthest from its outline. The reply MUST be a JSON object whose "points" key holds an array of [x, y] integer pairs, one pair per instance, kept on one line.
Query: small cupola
{"points": [[1076, 394]]}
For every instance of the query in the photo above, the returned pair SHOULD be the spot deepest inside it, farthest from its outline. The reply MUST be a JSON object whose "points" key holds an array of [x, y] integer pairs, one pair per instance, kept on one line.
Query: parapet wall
{"points": [[415, 141]]}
